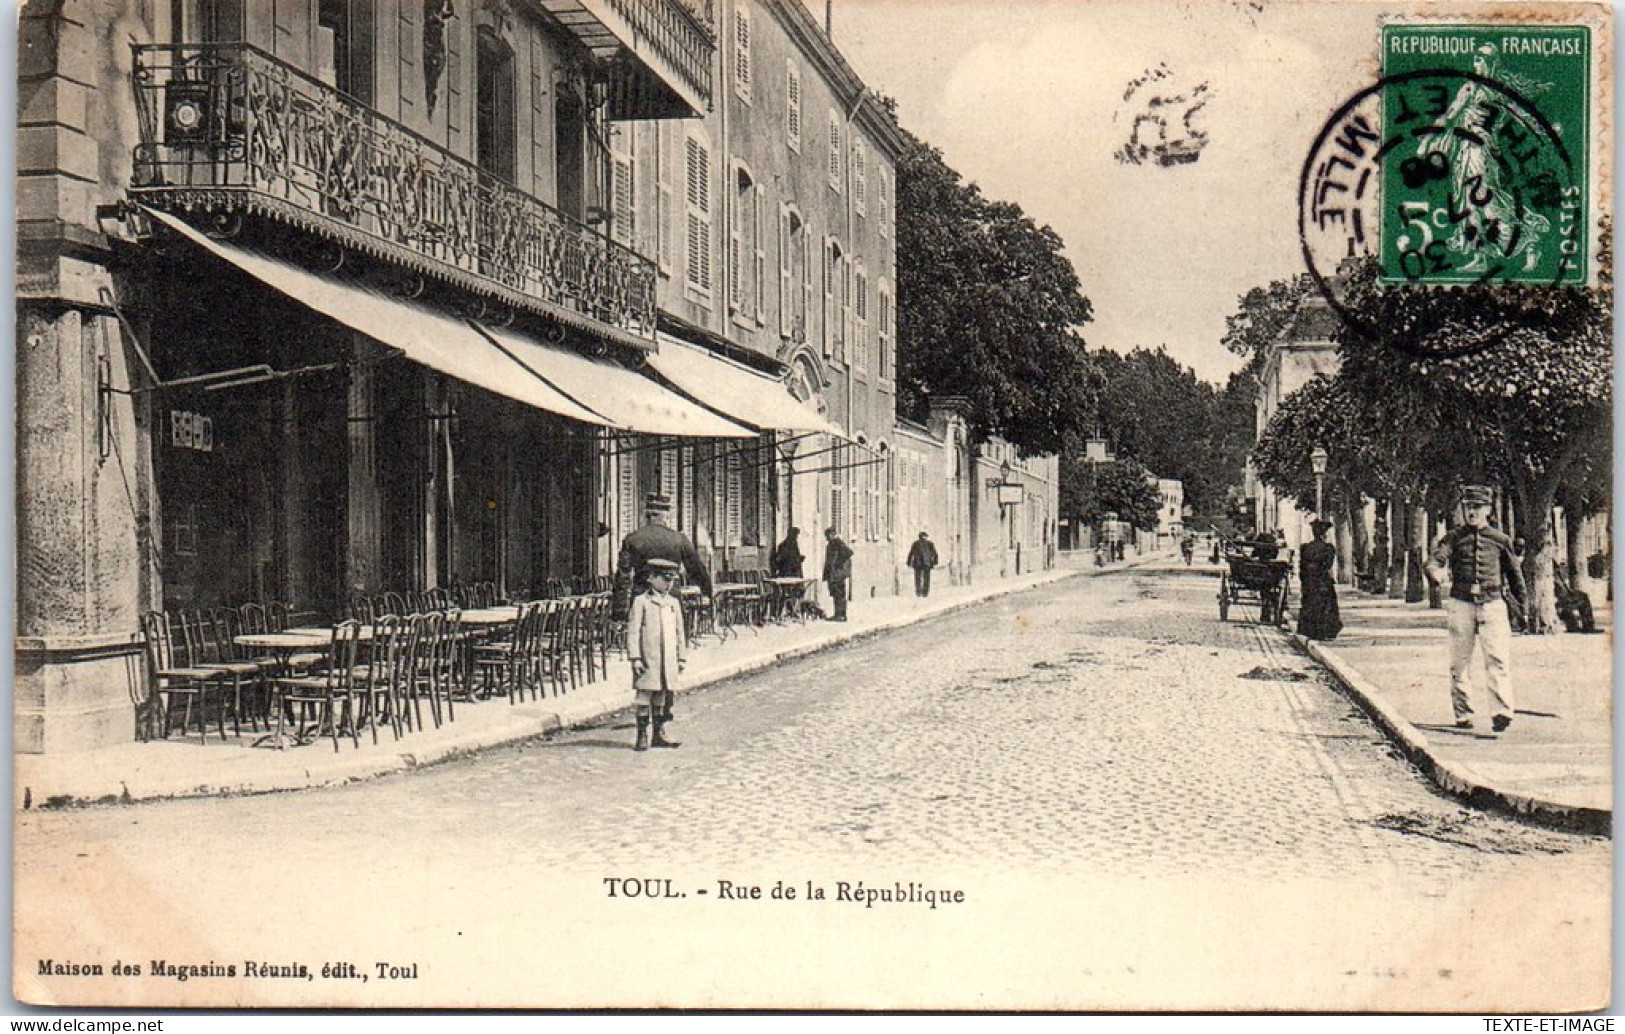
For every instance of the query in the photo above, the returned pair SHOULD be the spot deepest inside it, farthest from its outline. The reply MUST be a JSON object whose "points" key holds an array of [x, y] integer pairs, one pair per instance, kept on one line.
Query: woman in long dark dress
{"points": [[1317, 615]]}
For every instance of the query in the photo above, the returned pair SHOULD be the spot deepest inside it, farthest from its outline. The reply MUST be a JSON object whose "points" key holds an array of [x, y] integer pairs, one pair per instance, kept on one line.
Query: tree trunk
{"points": [[1353, 536], [1398, 536], [1536, 497], [1415, 534]]}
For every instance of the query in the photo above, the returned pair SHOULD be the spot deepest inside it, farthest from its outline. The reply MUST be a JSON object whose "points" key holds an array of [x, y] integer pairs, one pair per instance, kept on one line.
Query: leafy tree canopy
{"points": [[988, 309], [1126, 488]]}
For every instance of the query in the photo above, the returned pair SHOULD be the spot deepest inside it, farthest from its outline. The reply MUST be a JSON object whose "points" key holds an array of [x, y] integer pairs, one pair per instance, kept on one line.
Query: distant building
{"points": [[1171, 510], [1304, 350]]}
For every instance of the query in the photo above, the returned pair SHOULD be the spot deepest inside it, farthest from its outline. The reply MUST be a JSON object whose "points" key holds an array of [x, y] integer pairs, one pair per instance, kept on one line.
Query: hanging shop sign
{"points": [[191, 431]]}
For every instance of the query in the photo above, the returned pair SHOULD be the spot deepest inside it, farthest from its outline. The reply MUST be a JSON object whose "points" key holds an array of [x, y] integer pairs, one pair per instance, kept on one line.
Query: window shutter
{"points": [[835, 150], [742, 52], [785, 287], [735, 290], [860, 178], [699, 215], [837, 495], [792, 108], [758, 278], [736, 492], [664, 231], [627, 492], [624, 227], [883, 205], [860, 342]]}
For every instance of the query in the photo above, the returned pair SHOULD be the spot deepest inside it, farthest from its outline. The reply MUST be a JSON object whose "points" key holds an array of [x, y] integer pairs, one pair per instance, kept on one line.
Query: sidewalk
{"points": [[1553, 764], [183, 768]]}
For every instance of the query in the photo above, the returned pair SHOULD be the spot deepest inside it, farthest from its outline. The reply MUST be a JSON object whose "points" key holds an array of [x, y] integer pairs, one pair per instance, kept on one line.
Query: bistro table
{"points": [[788, 592], [722, 623], [488, 616], [283, 647]]}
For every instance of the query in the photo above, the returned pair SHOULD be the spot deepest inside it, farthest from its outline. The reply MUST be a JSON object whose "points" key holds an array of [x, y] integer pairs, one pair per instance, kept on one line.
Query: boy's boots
{"points": [[660, 736], [643, 732]]}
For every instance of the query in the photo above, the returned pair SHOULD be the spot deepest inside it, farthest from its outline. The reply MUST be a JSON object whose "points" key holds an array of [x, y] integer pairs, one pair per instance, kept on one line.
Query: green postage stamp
{"points": [[1486, 179]]}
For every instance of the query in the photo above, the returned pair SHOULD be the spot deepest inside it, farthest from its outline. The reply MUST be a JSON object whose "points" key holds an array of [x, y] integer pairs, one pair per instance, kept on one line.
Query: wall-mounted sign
{"points": [[191, 431], [1011, 494]]}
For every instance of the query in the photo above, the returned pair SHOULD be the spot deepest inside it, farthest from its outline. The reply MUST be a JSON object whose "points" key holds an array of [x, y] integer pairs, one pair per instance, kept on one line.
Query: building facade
{"points": [[318, 298], [772, 222], [1305, 350]]}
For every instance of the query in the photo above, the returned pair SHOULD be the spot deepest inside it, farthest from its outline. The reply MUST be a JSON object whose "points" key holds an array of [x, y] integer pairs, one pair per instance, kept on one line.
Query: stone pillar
{"points": [[84, 495]]}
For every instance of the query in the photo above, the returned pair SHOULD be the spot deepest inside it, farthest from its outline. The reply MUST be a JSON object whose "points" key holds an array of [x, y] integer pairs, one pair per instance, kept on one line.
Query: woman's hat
{"points": [[1319, 524]]}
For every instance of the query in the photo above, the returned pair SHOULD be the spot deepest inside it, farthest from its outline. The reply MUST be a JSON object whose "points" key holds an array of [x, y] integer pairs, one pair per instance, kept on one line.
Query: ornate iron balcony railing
{"points": [[227, 128]]}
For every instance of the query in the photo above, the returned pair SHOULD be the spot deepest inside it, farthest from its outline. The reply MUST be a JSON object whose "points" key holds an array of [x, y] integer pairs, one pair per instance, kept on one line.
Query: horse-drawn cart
{"points": [[1262, 582]]}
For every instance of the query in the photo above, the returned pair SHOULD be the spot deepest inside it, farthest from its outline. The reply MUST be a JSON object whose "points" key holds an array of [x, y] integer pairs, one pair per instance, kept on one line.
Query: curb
{"points": [[353, 769], [1457, 780]]}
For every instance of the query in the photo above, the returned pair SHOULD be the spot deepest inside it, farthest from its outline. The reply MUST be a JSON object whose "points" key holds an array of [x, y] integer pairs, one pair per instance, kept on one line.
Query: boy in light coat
{"points": [[657, 647]]}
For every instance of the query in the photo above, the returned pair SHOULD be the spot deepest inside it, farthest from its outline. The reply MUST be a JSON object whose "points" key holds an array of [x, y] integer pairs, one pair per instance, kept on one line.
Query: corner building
{"points": [[319, 298]]}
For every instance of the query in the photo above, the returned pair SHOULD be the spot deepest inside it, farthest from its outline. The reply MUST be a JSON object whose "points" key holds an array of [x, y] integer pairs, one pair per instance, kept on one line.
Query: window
{"points": [[699, 215], [835, 302], [747, 257], [795, 278], [742, 53], [494, 125], [344, 34], [835, 149], [792, 107]]}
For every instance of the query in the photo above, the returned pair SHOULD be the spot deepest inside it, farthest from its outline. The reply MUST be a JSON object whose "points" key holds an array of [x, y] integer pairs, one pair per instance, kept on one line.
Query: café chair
{"points": [[174, 683], [327, 699]]}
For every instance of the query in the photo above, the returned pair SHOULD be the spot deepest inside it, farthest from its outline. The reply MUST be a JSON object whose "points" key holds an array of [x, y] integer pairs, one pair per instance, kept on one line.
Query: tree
{"points": [[1155, 410], [987, 309], [1525, 370], [1123, 487], [1263, 313]]}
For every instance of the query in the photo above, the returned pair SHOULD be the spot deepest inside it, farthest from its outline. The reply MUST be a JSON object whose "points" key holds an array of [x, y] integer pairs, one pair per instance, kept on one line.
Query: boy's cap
{"points": [[659, 566]]}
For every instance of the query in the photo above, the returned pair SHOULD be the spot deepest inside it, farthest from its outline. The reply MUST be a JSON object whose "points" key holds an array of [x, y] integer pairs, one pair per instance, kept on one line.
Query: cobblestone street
{"points": [[1198, 786]]}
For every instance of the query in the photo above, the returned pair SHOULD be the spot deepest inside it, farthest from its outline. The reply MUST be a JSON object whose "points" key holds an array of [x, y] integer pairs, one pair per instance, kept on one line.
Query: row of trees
{"points": [[1498, 384], [991, 310]]}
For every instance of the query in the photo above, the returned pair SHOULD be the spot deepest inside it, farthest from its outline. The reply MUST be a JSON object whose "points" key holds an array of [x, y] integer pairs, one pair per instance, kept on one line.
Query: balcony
{"points": [[658, 51], [228, 130]]}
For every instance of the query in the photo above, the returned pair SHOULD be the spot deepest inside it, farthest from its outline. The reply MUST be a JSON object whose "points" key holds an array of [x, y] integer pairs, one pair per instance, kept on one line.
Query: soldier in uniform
{"points": [[837, 572], [1477, 561]]}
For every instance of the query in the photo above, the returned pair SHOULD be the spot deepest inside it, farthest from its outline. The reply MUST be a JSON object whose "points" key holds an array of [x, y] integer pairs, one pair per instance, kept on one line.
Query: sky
{"points": [[1026, 99]]}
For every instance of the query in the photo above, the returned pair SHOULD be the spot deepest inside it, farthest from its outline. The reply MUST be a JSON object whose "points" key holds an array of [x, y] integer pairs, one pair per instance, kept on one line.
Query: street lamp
{"points": [[1317, 460]]}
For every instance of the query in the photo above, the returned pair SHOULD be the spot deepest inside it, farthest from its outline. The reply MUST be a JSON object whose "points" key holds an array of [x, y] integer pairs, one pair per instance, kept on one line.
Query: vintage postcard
{"points": [[978, 505]]}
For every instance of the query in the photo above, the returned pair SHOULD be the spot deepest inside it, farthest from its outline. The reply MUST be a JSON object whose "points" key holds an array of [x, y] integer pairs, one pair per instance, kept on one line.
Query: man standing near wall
{"points": [[837, 572]]}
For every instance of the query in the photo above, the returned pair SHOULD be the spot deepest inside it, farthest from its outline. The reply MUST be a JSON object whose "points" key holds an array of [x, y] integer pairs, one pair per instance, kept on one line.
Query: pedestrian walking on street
{"points": [[1477, 561], [837, 572], [922, 556], [1317, 616], [656, 646], [787, 558]]}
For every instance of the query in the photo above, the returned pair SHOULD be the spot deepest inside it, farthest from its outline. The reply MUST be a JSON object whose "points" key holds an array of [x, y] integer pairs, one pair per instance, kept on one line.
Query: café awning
{"points": [[630, 400], [442, 343], [737, 392]]}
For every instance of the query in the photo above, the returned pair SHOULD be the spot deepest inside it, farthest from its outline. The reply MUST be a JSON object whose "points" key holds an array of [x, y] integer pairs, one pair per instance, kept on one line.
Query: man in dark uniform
{"points": [[655, 541], [1477, 560], [837, 572]]}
